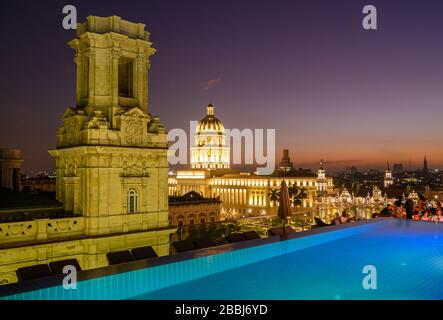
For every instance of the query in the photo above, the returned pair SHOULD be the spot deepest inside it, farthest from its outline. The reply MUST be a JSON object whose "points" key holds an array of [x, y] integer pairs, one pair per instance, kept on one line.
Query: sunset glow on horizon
{"points": [[331, 90]]}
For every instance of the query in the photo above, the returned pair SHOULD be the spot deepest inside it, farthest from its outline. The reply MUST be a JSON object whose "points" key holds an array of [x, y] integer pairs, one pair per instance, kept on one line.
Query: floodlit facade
{"points": [[242, 194], [388, 180], [210, 151]]}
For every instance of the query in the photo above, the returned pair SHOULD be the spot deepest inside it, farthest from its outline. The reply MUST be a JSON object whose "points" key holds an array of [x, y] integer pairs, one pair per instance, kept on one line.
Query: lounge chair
{"points": [[320, 223], [251, 235], [278, 231], [119, 257], [144, 253], [183, 246], [204, 243], [33, 272], [57, 266], [236, 237]]}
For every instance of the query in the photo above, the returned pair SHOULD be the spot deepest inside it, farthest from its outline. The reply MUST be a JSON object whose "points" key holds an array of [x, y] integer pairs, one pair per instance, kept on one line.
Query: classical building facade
{"points": [[31, 184], [192, 209], [111, 159], [241, 193]]}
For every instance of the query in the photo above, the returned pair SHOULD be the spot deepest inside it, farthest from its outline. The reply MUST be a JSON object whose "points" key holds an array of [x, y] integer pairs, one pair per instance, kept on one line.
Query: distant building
{"points": [[388, 181], [425, 166], [397, 169], [10, 164], [285, 163], [242, 194], [192, 208], [38, 183], [322, 181]]}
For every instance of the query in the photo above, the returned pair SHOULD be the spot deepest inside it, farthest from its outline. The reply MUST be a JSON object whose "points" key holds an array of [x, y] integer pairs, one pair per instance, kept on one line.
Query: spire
{"points": [[285, 163], [425, 166], [210, 109], [321, 164], [389, 167]]}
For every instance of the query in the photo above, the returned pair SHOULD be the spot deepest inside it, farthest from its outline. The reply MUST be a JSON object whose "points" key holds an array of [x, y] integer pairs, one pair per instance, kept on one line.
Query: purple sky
{"points": [[305, 68]]}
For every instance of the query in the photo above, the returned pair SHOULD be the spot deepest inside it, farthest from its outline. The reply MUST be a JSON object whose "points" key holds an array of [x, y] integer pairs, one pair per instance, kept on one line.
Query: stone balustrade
{"points": [[40, 229]]}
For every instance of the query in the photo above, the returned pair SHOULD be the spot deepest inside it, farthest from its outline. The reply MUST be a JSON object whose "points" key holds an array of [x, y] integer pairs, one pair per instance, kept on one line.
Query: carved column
{"points": [[141, 70], [115, 56], [79, 61], [91, 80]]}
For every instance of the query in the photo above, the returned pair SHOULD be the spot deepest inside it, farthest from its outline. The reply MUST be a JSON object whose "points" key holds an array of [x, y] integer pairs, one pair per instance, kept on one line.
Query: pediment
{"points": [[134, 112]]}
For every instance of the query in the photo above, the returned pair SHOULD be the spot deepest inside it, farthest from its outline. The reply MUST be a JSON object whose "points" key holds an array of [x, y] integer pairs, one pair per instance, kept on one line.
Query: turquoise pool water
{"points": [[408, 257]]}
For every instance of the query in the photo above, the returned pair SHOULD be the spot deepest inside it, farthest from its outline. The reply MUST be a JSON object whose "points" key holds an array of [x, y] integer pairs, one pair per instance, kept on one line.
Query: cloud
{"points": [[211, 83]]}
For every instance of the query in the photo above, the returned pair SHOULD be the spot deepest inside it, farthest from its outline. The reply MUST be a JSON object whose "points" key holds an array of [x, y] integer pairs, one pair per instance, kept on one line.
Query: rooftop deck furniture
{"points": [[278, 231], [144, 253], [320, 223], [33, 272], [183, 246], [251, 235], [57, 266], [204, 243], [236, 237], [119, 257]]}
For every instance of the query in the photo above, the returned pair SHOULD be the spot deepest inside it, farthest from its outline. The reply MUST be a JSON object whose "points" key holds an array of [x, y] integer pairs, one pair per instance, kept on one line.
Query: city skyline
{"points": [[330, 89]]}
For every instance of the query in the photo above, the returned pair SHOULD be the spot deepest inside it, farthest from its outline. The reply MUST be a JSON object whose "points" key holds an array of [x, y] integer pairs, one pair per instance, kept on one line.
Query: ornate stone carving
{"points": [[156, 126], [134, 131], [70, 170], [64, 225], [79, 57], [134, 170], [116, 54], [16, 229], [98, 121]]}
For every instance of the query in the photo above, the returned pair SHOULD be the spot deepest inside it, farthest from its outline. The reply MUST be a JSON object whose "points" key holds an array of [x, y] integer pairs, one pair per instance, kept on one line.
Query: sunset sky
{"points": [[305, 68]]}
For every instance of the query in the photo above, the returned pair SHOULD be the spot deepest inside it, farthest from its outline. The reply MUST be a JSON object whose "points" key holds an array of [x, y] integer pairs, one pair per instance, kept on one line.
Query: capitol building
{"points": [[242, 194]]}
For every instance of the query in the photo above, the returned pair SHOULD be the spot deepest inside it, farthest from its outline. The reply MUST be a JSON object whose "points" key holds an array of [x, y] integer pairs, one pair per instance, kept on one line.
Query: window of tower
{"points": [[126, 77], [132, 201]]}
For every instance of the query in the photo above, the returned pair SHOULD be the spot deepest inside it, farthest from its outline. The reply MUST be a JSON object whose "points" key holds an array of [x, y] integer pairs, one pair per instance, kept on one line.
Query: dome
{"points": [[210, 123], [210, 151]]}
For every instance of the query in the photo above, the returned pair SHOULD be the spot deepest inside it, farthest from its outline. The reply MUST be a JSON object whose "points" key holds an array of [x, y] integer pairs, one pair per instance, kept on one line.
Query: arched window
{"points": [[180, 220], [132, 201]]}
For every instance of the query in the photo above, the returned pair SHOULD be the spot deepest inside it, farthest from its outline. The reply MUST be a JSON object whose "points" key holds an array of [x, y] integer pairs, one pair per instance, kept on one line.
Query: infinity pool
{"points": [[408, 257]]}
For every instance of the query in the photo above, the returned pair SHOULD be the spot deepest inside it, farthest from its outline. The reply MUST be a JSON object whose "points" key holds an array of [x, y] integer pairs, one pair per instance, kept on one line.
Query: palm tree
{"points": [[297, 194], [274, 197]]}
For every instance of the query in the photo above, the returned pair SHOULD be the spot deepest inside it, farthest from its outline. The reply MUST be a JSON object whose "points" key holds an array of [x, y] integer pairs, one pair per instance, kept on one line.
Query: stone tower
{"points": [[285, 163], [388, 181], [322, 182], [111, 155]]}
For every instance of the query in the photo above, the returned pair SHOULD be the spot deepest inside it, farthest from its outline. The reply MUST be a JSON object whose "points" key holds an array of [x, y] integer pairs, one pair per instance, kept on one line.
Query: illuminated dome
{"points": [[210, 140], [210, 123]]}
